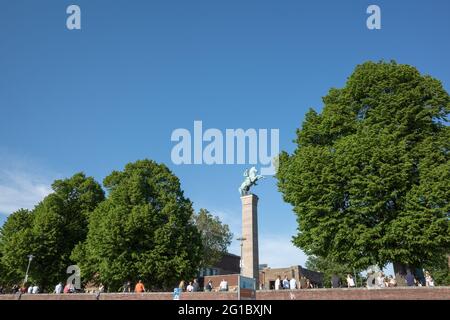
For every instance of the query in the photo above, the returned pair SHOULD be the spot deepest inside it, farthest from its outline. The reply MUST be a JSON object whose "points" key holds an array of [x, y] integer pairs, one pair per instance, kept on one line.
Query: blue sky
{"points": [[95, 99]]}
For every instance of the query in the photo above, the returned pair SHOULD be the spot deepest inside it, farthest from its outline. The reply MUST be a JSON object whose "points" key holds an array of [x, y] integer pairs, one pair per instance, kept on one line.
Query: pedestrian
{"points": [[285, 283], [139, 288], [350, 281], [181, 285], [190, 287], [209, 286], [278, 283], [35, 289], [30, 289], [223, 286], [410, 280], [195, 286], [59, 288], [67, 288], [126, 287], [335, 281], [302, 283], [15, 289], [293, 284], [429, 280], [380, 280]]}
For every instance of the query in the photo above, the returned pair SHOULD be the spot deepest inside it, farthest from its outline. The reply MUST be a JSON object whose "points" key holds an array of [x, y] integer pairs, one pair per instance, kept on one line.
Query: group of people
{"points": [[379, 280], [412, 281], [382, 281], [292, 284], [193, 286]]}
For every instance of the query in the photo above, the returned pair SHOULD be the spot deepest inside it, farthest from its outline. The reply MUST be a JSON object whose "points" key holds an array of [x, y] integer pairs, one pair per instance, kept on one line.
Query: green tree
{"points": [[49, 232], [15, 245], [143, 230], [216, 237], [439, 270], [369, 177]]}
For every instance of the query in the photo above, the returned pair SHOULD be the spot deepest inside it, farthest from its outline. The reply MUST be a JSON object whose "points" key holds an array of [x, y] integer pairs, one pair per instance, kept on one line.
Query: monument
{"points": [[249, 252]]}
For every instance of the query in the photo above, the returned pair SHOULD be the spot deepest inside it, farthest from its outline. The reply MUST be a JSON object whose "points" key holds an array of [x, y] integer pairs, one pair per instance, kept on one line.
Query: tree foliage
{"points": [[49, 232], [369, 179], [143, 230], [216, 237]]}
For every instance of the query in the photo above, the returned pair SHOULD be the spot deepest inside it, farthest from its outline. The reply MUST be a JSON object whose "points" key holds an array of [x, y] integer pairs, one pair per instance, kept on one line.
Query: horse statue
{"points": [[251, 177]]}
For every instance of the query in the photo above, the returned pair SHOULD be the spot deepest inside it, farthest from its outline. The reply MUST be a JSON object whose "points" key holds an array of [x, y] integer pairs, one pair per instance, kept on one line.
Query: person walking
{"points": [[380, 280], [59, 288], [139, 288], [190, 287], [181, 285], [410, 280], [285, 283], [429, 282], [278, 283], [35, 289], [126, 287], [223, 285], [335, 281], [293, 284], [195, 286], [209, 286], [350, 281]]}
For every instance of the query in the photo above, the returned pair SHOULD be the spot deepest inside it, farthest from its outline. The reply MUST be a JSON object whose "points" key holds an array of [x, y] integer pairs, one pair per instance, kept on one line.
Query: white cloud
{"points": [[279, 252], [23, 183], [20, 190]]}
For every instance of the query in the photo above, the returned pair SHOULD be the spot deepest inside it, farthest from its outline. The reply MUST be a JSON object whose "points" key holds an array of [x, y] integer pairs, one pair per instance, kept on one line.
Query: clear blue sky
{"points": [[96, 99]]}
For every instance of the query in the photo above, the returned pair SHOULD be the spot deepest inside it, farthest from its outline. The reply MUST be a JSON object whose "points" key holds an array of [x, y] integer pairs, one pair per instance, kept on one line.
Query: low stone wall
{"points": [[401, 293], [404, 293]]}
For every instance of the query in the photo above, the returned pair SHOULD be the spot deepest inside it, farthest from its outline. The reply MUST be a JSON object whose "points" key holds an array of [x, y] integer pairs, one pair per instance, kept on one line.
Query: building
{"points": [[268, 276], [229, 264], [228, 268]]}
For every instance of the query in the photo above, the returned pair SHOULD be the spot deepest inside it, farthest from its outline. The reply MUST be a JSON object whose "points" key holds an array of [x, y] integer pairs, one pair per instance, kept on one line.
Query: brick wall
{"points": [[438, 293]]}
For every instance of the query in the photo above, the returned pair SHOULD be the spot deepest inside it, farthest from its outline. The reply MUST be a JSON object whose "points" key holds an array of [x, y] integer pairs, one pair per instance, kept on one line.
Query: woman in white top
{"points": [[350, 281], [278, 283], [429, 280]]}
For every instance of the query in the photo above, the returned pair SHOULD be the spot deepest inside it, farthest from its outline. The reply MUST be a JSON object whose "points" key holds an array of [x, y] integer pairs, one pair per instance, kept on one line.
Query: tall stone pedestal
{"points": [[250, 253]]}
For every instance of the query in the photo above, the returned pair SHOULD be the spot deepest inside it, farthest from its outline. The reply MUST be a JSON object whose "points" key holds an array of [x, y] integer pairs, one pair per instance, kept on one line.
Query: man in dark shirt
{"points": [[409, 279], [195, 285], [335, 281]]}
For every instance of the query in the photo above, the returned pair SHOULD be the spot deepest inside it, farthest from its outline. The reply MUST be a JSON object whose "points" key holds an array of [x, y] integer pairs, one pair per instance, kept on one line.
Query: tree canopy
{"points": [[142, 231], [369, 179], [216, 237], [49, 232]]}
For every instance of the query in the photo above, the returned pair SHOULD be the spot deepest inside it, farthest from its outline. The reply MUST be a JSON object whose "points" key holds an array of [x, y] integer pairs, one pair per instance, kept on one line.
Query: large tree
{"points": [[143, 230], [369, 179], [49, 232], [216, 237]]}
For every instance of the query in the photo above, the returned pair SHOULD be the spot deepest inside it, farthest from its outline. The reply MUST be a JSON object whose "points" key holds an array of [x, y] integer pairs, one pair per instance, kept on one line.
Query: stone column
{"points": [[250, 253]]}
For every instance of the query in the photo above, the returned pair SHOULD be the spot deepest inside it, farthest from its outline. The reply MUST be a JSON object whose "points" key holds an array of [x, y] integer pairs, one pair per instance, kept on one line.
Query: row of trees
{"points": [[145, 228], [369, 180]]}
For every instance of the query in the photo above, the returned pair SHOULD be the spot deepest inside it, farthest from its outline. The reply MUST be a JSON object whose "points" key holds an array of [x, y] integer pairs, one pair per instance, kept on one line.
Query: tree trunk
{"points": [[400, 271]]}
